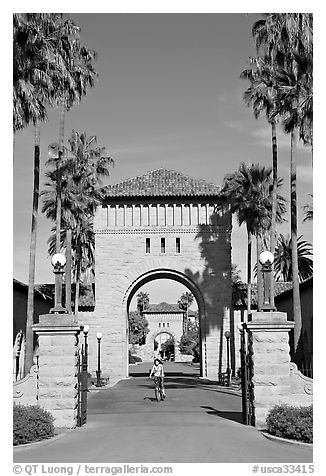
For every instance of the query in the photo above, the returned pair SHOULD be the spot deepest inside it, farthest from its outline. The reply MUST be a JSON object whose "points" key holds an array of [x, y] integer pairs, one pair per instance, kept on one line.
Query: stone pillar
{"points": [[269, 344], [58, 373]]}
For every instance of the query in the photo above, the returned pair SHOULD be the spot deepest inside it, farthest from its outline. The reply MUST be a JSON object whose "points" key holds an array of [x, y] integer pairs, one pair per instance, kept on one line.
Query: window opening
{"points": [[162, 245], [177, 245], [148, 245]]}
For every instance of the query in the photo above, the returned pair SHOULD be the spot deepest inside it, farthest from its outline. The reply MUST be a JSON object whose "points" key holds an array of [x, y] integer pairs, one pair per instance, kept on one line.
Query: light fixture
{"points": [[58, 260], [266, 259]]}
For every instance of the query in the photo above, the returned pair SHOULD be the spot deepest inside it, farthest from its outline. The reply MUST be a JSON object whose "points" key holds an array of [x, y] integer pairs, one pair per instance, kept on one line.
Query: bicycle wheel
{"points": [[157, 393]]}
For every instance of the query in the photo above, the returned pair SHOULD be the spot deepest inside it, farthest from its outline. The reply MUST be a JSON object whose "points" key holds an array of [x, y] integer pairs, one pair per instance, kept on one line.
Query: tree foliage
{"points": [[142, 301], [185, 301], [49, 65], [190, 342], [138, 328], [283, 259]]}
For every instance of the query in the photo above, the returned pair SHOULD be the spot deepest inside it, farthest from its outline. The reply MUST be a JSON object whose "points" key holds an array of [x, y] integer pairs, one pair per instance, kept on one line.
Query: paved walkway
{"points": [[198, 422]]}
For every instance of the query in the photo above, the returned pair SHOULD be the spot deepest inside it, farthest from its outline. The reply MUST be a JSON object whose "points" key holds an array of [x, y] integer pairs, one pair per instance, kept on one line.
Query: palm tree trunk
{"points": [[58, 214], [77, 286], [68, 270], [294, 247], [29, 348], [274, 205], [249, 274], [260, 283]]}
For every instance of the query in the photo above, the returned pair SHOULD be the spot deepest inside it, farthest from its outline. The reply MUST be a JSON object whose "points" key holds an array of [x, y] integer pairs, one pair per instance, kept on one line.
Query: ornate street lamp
{"points": [[85, 330], [241, 327], [98, 373], [266, 259], [58, 262], [227, 335], [57, 152]]}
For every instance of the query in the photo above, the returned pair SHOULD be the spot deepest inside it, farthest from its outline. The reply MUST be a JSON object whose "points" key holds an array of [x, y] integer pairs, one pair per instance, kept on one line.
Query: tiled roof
{"points": [[239, 293], [161, 183], [162, 307], [38, 290]]}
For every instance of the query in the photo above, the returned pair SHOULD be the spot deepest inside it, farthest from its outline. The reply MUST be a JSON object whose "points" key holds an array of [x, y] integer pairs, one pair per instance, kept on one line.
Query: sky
{"points": [[168, 95]]}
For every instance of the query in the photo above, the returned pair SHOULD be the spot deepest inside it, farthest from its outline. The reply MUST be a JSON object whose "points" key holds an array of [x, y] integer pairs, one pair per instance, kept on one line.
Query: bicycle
{"points": [[159, 392]]}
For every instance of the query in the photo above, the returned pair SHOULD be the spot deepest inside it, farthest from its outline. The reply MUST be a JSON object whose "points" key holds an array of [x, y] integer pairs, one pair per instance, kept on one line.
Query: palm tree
{"points": [[261, 96], [289, 104], [39, 66], [185, 301], [80, 173], [283, 259], [142, 301], [248, 194], [308, 211], [286, 39], [83, 247]]}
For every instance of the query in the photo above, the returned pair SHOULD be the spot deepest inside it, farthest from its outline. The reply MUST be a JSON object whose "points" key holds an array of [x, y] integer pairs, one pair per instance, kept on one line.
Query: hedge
{"points": [[31, 423], [293, 423]]}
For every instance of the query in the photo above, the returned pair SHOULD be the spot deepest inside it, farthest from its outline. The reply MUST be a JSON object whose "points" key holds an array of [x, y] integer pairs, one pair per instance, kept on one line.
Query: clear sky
{"points": [[168, 95]]}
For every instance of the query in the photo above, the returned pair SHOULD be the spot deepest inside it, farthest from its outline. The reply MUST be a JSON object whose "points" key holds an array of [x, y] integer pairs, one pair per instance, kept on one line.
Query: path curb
{"points": [[285, 441], [45, 441]]}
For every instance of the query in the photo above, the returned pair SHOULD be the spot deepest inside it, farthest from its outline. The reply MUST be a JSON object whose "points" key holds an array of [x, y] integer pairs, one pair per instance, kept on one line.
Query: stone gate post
{"points": [[58, 375], [268, 341]]}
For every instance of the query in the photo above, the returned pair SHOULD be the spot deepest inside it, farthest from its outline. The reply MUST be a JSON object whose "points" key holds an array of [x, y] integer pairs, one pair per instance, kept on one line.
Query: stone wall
{"points": [[25, 391]]}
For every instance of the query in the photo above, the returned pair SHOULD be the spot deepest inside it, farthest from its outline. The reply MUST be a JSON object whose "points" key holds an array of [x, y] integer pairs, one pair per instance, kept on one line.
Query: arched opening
{"points": [[163, 326], [164, 346]]}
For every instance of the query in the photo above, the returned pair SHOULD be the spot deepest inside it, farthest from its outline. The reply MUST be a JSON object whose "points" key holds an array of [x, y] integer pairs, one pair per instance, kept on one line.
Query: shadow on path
{"points": [[234, 416]]}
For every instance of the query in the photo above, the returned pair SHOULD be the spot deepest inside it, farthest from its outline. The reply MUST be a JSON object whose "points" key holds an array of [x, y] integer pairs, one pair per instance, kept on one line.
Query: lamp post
{"points": [[227, 335], [57, 152], [243, 373], [58, 261], [266, 259], [98, 373], [85, 330]]}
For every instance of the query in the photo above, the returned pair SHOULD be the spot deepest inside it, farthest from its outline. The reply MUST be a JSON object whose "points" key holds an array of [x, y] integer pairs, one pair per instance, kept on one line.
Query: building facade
{"points": [[162, 224]]}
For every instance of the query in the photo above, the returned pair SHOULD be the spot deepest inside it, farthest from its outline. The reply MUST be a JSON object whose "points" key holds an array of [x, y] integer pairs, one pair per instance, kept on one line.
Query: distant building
{"points": [[43, 302], [284, 302], [165, 321]]}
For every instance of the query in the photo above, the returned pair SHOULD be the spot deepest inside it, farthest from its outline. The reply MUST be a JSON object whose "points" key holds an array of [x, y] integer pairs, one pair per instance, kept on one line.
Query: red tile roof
{"points": [[162, 307], [161, 183]]}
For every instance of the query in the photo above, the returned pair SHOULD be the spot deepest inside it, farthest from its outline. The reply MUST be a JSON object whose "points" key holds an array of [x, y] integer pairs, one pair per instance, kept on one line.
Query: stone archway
{"points": [[157, 334], [175, 275], [162, 224]]}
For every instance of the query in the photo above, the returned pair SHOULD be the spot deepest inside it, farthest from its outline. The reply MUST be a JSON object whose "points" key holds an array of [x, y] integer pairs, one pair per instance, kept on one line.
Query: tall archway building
{"points": [[162, 224]]}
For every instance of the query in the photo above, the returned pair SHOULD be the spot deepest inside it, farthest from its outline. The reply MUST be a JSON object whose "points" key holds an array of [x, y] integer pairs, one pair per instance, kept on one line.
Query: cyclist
{"points": [[158, 373]]}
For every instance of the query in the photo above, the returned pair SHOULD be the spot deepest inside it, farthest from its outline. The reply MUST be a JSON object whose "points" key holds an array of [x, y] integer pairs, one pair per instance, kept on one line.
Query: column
{"points": [[116, 215], [269, 342], [58, 380], [132, 215]]}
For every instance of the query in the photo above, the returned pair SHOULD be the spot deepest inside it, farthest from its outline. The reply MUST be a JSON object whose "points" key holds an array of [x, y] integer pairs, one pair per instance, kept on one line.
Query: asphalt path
{"points": [[199, 422]]}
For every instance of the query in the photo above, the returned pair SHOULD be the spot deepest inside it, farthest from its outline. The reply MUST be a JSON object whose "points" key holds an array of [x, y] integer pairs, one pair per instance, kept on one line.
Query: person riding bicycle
{"points": [[158, 373]]}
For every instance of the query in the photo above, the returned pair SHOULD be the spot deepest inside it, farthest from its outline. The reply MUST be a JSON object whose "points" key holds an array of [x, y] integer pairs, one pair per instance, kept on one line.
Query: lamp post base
{"points": [[58, 309], [266, 307]]}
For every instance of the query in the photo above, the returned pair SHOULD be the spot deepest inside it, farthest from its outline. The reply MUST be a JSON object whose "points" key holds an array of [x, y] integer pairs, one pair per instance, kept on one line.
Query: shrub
{"points": [[134, 358], [294, 423], [31, 423]]}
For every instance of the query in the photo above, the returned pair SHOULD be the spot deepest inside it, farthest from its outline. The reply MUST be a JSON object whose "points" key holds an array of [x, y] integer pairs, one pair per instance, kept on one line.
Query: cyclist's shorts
{"points": [[158, 381]]}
